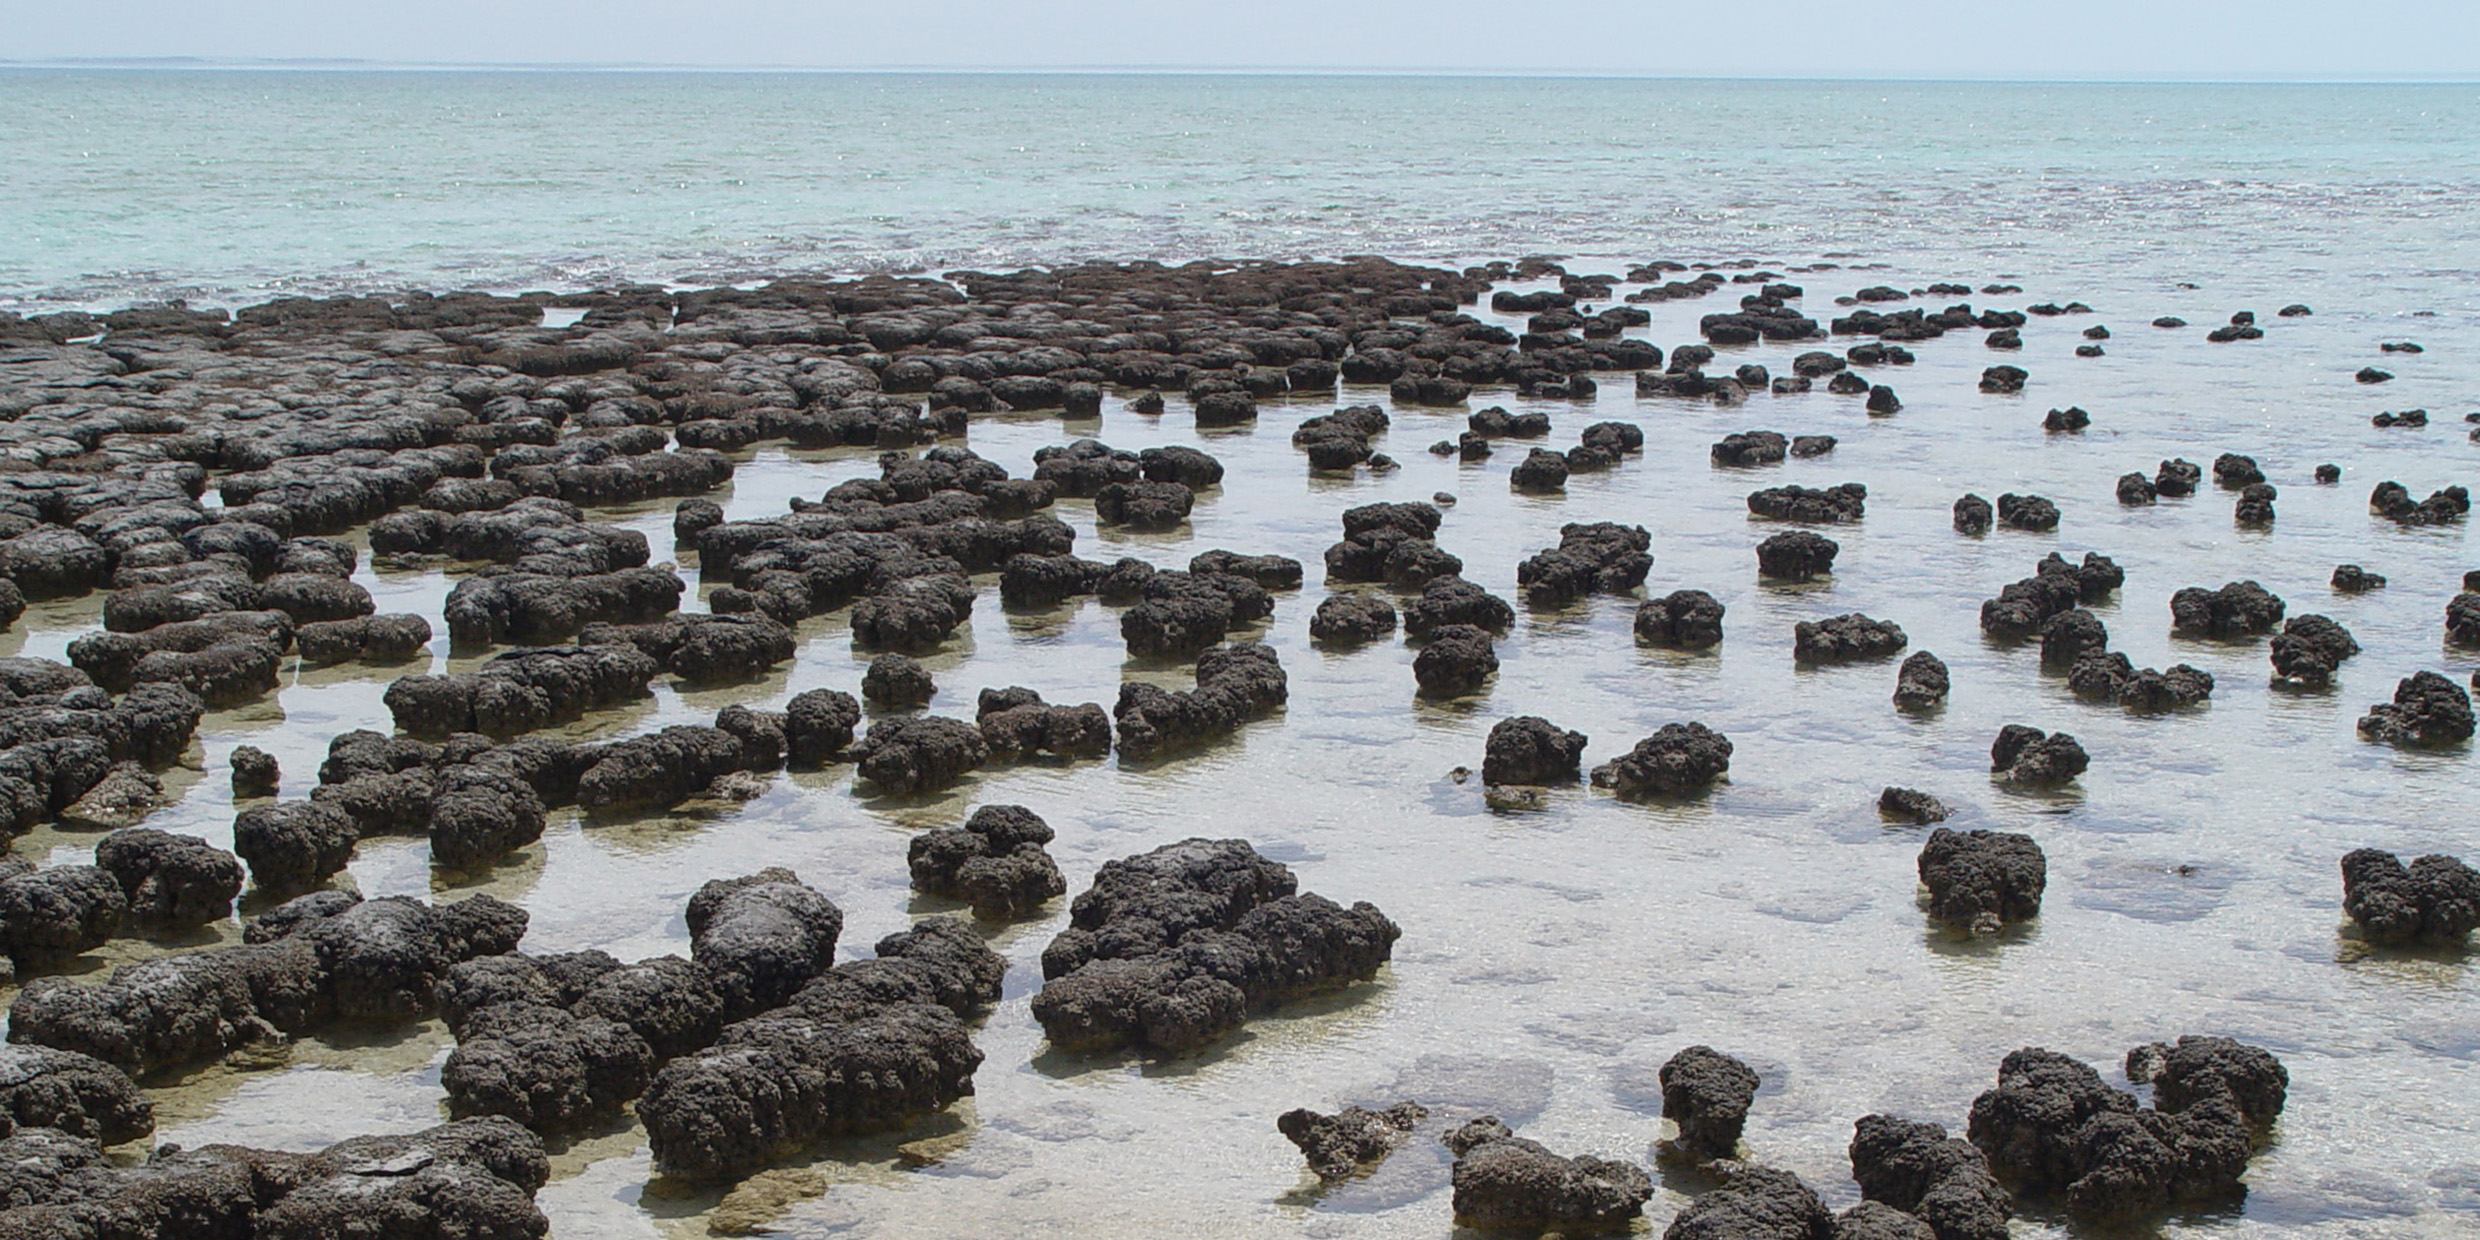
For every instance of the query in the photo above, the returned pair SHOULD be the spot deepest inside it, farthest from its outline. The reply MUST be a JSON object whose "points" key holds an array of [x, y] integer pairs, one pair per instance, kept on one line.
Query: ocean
{"points": [[1553, 956]]}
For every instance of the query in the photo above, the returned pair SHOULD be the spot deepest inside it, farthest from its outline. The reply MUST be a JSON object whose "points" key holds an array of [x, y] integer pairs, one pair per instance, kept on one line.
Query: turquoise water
{"points": [[231, 186]]}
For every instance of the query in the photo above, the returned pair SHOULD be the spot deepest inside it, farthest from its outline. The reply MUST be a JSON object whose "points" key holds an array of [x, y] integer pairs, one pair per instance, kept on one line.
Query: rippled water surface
{"points": [[1553, 957]]}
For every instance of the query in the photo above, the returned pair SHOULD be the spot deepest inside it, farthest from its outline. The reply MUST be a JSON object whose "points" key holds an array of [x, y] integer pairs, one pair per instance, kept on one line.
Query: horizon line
{"points": [[367, 65]]}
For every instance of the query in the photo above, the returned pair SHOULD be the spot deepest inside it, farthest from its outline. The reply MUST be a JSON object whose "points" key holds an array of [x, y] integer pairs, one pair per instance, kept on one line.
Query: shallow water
{"points": [[1553, 958]]}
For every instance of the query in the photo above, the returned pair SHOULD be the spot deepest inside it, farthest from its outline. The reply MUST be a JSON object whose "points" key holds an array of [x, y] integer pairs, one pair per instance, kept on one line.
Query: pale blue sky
{"points": [[2255, 39]]}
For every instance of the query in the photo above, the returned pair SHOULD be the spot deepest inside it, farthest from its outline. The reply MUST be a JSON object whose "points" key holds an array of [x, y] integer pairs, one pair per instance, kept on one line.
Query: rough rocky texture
{"points": [[331, 960], [1234, 685], [818, 726], [1922, 681], [1796, 555], [1452, 600], [1841, 639], [1707, 1094], [1171, 949], [995, 862], [1943, 1181], [1017, 724], [1457, 659], [762, 937], [1754, 1203], [2427, 709], [522, 690], [377, 639], [45, 1088], [471, 1180], [1681, 759], [254, 772], [1973, 515], [1599, 558], [1505, 1182], [1983, 881], [1352, 1140], [170, 880], [2352, 579], [1910, 805], [1352, 619], [1528, 749], [50, 915], [2030, 756], [2435, 899], [907, 755], [2107, 676], [1836, 505], [897, 682], [2239, 609], [2052, 1128], [2310, 648], [1682, 619]]}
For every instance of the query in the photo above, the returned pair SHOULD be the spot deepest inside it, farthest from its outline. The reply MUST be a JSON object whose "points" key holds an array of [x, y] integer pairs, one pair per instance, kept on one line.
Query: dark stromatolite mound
{"points": [[2436, 898], [1842, 639], [519, 606], [1340, 440], [1235, 684], [1835, 505], [1910, 805], [818, 726], [1707, 1094], [377, 639], [1352, 1140], [668, 766], [896, 682], [762, 937], [1017, 724], [2393, 501], [1457, 659], [1754, 1203], [2238, 609], [2427, 709], [1973, 515], [2463, 617], [1528, 749], [910, 754], [254, 772], [1680, 759], [1983, 881], [2196, 1068], [1503, 1181], [1452, 600], [2352, 579], [1179, 615], [2027, 512], [995, 862], [1601, 557], [1922, 682], [1391, 543], [521, 691], [543, 1066], [43, 1087], [2053, 1128], [335, 961], [1682, 619], [1943, 1181], [2136, 490], [1271, 572], [703, 648], [49, 915], [1751, 448], [2108, 676], [2233, 471], [2070, 635], [1796, 555], [1352, 619], [1172, 949], [2027, 755], [2309, 649], [473, 1179], [1540, 472], [170, 880], [293, 846]]}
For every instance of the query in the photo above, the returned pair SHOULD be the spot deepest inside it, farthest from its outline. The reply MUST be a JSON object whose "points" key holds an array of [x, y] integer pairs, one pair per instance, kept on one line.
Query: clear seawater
{"points": [[1552, 958]]}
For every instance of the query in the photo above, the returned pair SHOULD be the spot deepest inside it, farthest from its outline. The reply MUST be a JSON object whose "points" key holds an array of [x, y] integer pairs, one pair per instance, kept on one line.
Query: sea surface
{"points": [[1553, 957]]}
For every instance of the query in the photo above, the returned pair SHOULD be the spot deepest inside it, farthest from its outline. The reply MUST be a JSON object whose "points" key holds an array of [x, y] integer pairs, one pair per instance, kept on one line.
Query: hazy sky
{"points": [[2262, 39]]}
